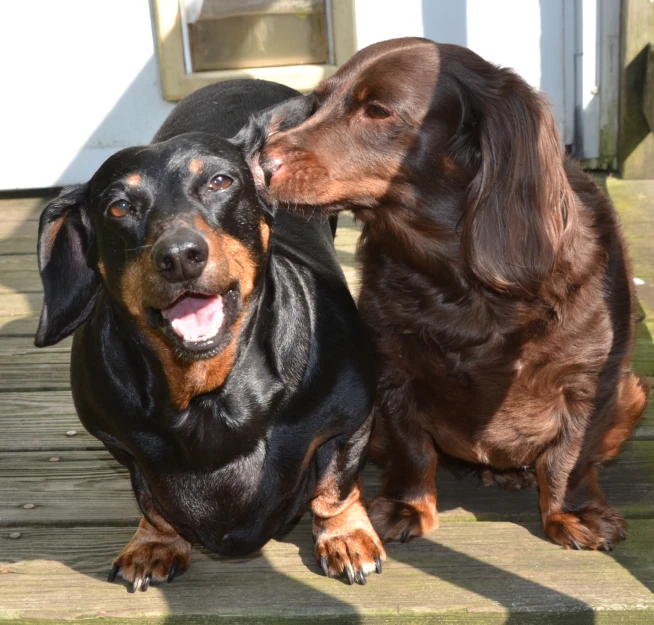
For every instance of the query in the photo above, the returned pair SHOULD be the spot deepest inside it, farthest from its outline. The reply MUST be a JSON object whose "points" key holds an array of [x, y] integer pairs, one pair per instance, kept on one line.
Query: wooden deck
{"points": [[66, 508]]}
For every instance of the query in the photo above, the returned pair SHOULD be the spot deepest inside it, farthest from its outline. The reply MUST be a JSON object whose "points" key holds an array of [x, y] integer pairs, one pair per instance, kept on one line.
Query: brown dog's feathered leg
{"points": [[407, 504], [573, 509]]}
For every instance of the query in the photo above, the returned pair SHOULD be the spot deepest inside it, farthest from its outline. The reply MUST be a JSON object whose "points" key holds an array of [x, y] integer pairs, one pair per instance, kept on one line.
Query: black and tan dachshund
{"points": [[217, 353]]}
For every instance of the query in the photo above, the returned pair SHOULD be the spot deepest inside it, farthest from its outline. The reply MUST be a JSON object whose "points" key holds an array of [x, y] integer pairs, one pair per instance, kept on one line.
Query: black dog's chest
{"points": [[226, 508]]}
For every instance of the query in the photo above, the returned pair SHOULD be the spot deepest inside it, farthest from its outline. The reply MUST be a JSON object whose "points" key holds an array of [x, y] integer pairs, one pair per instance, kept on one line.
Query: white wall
{"points": [[82, 80]]}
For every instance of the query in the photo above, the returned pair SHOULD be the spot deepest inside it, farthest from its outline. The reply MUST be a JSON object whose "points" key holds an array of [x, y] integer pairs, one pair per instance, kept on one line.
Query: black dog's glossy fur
{"points": [[227, 442]]}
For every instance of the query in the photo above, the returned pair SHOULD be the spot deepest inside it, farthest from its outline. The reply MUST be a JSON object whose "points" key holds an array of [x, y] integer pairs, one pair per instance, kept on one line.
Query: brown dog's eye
{"points": [[120, 208], [218, 183], [374, 111]]}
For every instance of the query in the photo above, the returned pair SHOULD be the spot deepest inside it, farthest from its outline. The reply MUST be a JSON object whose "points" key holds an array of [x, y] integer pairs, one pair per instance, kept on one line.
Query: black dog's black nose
{"points": [[180, 255]]}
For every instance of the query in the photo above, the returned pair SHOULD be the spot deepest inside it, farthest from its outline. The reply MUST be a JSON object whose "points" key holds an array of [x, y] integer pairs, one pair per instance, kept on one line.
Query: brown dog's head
{"points": [[174, 236], [436, 133]]}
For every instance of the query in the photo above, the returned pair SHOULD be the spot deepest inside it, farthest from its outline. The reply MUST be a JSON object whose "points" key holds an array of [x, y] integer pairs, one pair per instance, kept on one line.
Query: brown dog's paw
{"points": [[151, 557], [400, 520], [516, 479], [356, 553], [591, 528]]}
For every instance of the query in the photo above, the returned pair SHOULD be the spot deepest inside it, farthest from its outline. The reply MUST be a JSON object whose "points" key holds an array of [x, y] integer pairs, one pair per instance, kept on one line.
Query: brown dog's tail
{"points": [[632, 400]]}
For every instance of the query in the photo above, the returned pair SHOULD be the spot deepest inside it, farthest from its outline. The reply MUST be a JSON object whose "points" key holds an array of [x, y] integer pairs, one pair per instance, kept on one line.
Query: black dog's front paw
{"points": [[348, 544], [151, 557]]}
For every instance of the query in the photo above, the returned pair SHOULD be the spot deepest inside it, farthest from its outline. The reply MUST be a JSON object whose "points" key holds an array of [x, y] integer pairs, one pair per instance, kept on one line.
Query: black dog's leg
{"points": [[156, 552], [345, 540]]}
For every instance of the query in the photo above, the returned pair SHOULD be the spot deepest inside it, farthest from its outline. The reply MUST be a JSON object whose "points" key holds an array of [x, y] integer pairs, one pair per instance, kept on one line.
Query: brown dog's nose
{"points": [[180, 255]]}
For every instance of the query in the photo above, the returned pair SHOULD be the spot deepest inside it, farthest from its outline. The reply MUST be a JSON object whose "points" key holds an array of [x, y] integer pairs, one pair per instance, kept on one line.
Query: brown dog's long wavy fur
{"points": [[495, 280]]}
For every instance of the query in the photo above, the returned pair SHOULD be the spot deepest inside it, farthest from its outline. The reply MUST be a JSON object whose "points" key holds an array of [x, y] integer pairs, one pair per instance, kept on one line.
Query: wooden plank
{"points": [[633, 200], [645, 428], [21, 345], [18, 262], [20, 282], [24, 326], [642, 256], [646, 302], [19, 360], [33, 421], [21, 209], [45, 371], [42, 421], [20, 304], [16, 244], [636, 152], [461, 573], [17, 236], [89, 487], [17, 228]]}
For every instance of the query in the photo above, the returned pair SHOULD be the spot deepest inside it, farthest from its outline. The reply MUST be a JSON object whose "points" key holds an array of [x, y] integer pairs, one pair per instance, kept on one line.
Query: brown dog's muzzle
{"points": [[293, 174]]}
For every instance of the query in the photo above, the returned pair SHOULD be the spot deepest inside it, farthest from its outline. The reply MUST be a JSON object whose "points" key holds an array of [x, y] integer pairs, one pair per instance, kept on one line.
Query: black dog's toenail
{"points": [[112, 574]]}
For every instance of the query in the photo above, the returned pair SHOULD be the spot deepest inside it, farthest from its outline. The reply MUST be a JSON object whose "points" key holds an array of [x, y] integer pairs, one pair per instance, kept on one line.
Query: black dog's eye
{"points": [[119, 208], [374, 111], [220, 182]]}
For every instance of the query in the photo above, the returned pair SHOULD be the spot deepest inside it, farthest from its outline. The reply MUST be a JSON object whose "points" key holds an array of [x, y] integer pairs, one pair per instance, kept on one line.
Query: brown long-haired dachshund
{"points": [[495, 280]]}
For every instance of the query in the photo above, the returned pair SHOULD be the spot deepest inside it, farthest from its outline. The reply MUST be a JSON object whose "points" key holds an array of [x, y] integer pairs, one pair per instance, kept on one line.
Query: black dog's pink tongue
{"points": [[196, 318]]}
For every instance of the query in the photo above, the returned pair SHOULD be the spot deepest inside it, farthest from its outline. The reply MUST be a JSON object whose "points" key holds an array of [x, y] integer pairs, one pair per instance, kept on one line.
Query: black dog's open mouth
{"points": [[196, 322]]}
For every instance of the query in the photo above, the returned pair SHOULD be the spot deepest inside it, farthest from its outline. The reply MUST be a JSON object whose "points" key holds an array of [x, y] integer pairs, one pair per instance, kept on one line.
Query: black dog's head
{"points": [[175, 235]]}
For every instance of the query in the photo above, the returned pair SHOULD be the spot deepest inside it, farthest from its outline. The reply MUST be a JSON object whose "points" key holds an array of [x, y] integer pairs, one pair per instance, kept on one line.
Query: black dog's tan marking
{"points": [[229, 262], [217, 353]]}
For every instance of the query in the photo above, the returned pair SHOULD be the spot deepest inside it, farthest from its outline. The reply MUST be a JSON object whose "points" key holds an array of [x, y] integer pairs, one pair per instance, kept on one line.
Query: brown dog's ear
{"points": [[69, 281], [519, 202]]}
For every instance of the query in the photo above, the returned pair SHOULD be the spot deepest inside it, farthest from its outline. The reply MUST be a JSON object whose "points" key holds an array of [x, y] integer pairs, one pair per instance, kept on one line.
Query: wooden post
{"points": [[636, 156]]}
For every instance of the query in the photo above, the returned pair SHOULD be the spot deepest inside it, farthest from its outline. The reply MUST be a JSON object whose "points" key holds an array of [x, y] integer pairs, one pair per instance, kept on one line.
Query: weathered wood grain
{"points": [[483, 572], [35, 371], [18, 325], [20, 304], [22, 345], [41, 421], [89, 487], [16, 244], [23, 280], [21, 209], [461, 573], [10, 228], [633, 199], [34, 421]]}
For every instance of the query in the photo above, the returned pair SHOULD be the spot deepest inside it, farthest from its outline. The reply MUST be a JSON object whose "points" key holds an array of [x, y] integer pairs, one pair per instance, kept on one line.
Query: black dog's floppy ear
{"points": [[69, 281], [276, 118]]}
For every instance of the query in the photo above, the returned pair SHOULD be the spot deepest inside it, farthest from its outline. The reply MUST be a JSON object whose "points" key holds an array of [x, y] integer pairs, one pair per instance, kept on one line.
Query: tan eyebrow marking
{"points": [[133, 180], [196, 166]]}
